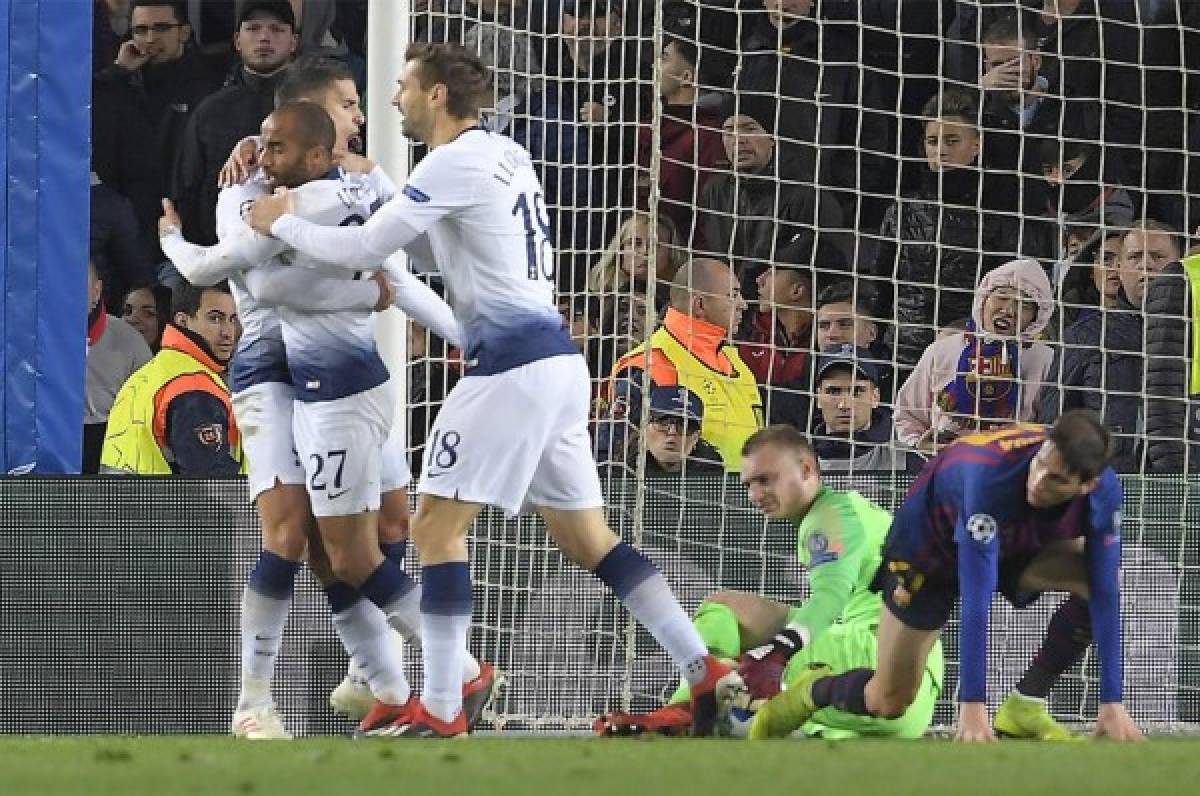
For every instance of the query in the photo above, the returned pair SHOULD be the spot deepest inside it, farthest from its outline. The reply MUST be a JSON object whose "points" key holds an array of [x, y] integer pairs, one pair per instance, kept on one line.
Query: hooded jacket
{"points": [[917, 404], [1099, 367]]}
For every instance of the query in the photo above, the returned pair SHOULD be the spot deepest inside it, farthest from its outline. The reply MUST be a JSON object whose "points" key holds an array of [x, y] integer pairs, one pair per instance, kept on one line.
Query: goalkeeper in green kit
{"points": [[840, 540]]}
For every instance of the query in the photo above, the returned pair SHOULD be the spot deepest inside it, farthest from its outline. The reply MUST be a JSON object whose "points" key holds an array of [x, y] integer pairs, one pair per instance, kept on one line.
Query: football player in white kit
{"points": [[263, 402], [513, 431]]}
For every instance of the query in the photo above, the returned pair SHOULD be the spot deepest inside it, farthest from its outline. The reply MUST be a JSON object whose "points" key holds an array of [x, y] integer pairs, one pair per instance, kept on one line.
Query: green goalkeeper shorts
{"points": [[845, 647]]}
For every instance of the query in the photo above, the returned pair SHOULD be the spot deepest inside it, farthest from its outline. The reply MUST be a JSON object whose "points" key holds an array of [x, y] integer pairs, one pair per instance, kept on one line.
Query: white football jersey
{"points": [[260, 354], [478, 202], [333, 354]]}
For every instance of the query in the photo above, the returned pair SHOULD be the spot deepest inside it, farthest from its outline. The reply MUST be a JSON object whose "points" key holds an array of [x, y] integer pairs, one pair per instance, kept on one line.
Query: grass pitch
{"points": [[654, 767]]}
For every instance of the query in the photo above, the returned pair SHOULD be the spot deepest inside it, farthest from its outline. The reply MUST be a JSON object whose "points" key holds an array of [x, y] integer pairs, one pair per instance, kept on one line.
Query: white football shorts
{"points": [[516, 440], [264, 419], [395, 473], [340, 443]]}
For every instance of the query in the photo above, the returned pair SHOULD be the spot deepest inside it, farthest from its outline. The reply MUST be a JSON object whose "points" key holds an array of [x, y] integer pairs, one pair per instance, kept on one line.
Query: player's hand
{"points": [[169, 223], [1005, 77], [352, 161], [762, 668], [973, 724], [266, 210], [1113, 722], [387, 293], [129, 57], [242, 160], [592, 113]]}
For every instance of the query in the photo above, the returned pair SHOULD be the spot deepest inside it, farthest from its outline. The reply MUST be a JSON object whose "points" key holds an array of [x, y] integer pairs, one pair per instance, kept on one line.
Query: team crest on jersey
{"points": [[210, 435], [821, 550], [982, 527]]}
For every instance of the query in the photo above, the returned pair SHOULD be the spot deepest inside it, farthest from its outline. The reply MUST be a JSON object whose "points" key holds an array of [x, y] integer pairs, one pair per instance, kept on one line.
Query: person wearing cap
{"points": [[672, 436], [852, 433], [690, 349], [1101, 362], [265, 40], [988, 376], [846, 314], [748, 212]]}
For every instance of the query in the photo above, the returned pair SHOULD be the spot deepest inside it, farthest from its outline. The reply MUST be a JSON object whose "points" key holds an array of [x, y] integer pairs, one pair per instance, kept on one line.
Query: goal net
{"points": [[868, 172]]}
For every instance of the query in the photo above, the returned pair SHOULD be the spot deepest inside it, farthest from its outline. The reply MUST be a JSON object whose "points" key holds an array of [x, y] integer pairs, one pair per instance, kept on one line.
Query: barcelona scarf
{"points": [[985, 383]]}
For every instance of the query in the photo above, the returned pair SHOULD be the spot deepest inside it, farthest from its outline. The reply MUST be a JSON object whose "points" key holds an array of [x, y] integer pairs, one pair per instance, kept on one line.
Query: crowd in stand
{"points": [[886, 223]]}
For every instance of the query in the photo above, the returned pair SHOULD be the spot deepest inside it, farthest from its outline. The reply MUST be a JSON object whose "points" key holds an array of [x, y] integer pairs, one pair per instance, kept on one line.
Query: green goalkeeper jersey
{"points": [[840, 542]]}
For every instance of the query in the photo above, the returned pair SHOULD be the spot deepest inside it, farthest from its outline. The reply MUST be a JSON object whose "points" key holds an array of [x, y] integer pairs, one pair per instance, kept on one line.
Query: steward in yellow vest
{"points": [[1172, 386], [173, 415], [691, 350]]}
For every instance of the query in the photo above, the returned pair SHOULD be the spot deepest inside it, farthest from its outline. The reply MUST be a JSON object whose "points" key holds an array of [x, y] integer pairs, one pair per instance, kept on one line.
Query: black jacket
{"points": [[222, 120], [1099, 366], [748, 218], [837, 137], [1172, 428], [143, 113], [929, 270]]}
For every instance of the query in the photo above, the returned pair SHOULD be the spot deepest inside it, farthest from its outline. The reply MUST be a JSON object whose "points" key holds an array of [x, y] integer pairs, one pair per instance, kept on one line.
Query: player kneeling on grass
{"points": [[840, 541], [1019, 511]]}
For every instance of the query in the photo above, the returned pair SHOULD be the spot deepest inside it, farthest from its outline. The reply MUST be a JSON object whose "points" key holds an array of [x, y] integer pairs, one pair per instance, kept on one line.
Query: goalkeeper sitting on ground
{"points": [[840, 540]]}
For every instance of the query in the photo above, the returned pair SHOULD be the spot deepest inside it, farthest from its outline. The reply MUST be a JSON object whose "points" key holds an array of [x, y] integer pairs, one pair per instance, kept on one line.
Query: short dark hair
{"points": [[844, 290], [1015, 28], [468, 80], [783, 436], [313, 124], [957, 103], [309, 78], [177, 8], [1083, 442], [187, 298]]}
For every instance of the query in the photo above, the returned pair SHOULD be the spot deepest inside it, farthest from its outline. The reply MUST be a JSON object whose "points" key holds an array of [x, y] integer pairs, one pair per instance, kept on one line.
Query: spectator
{"points": [[1018, 114], [110, 24], [852, 432], [672, 438], [142, 104], [844, 317], [114, 352], [989, 375], [776, 341], [1092, 282], [174, 414], [689, 135], [936, 245], [117, 244], [831, 135], [146, 309], [622, 326], [748, 214], [1091, 60], [1080, 193], [506, 48], [596, 91], [582, 315], [691, 349], [265, 41], [1101, 361], [625, 264], [1173, 370]]}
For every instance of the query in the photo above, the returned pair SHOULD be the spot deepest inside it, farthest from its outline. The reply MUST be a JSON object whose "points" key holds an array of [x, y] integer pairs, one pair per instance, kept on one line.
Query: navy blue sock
{"points": [[395, 551], [386, 584], [273, 576], [1067, 636], [846, 691], [341, 596]]}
